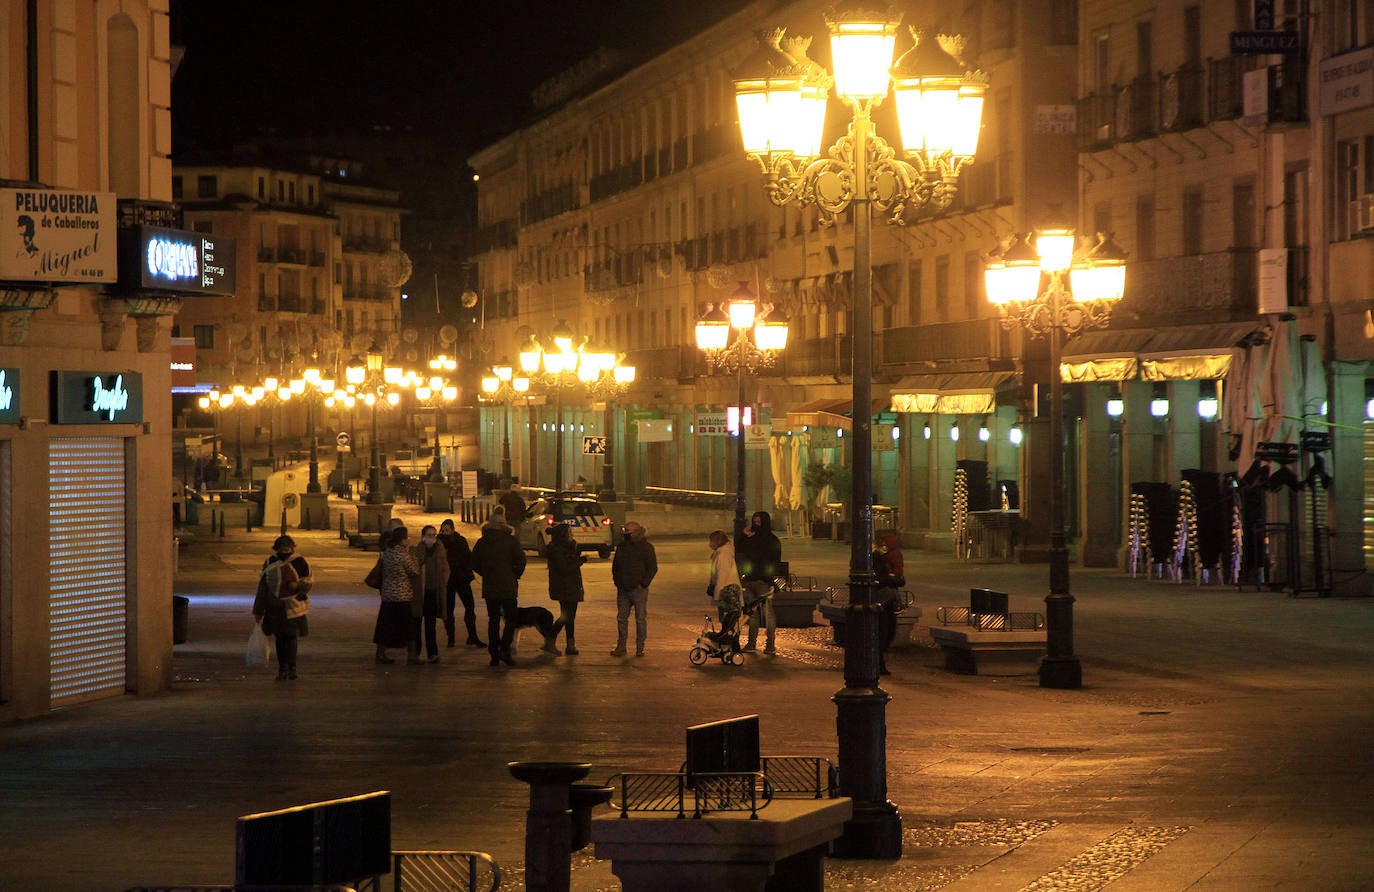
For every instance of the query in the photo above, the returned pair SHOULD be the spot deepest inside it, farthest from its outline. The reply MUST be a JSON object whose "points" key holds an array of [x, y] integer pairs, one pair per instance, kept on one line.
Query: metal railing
{"points": [[990, 622], [666, 793], [426, 871], [800, 776], [218, 887]]}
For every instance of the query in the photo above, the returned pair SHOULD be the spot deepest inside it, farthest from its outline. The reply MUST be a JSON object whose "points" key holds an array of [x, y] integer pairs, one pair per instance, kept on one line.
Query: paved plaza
{"points": [[1221, 740]]}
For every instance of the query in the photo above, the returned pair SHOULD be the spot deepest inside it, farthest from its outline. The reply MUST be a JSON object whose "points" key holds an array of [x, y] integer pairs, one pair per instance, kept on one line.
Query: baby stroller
{"points": [[723, 644]]}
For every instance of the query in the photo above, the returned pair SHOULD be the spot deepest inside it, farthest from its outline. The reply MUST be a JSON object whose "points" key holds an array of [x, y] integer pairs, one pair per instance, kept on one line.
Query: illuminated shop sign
{"points": [[9, 396], [97, 397], [158, 259], [183, 364]]}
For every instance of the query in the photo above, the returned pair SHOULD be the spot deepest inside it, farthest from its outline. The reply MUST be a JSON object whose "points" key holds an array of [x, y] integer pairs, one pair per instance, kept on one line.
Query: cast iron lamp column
{"points": [[564, 367], [503, 386], [741, 314], [1013, 281], [435, 395], [610, 386], [782, 96], [374, 382]]}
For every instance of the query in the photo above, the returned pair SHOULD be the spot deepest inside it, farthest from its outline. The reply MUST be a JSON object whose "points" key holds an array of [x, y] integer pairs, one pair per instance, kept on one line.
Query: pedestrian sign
{"points": [[343, 439], [593, 445]]}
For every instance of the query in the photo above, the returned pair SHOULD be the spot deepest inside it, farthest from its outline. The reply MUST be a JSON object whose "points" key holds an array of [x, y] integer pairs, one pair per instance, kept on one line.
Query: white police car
{"points": [[582, 513]]}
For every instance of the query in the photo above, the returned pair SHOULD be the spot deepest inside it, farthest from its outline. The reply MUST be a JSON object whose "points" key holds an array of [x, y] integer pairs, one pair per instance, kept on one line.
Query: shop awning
{"points": [[833, 413], [1180, 353], [952, 393]]}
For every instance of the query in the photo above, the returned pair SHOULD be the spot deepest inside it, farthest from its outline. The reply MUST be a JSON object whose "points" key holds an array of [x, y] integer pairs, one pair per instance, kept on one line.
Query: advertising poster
{"points": [[50, 235]]}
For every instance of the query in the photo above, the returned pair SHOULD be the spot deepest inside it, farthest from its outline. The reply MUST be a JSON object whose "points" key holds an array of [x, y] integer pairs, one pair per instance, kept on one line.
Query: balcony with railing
{"points": [[1136, 109], [366, 292], [943, 342], [1180, 98], [1226, 87], [1217, 287]]}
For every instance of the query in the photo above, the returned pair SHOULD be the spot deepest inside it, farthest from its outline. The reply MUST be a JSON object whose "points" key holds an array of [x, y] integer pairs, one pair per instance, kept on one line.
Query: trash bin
{"points": [[181, 618]]}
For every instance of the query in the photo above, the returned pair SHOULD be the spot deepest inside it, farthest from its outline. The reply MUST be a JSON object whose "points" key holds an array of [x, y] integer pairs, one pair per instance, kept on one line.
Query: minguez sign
{"points": [[9, 396], [97, 397]]}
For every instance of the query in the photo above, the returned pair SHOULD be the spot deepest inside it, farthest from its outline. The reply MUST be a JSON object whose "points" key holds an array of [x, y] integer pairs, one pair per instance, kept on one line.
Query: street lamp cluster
{"points": [[782, 97], [568, 365], [504, 387], [759, 335], [1037, 283]]}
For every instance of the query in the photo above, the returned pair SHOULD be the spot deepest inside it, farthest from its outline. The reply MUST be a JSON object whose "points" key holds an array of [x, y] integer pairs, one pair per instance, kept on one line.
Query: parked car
{"points": [[591, 527]]}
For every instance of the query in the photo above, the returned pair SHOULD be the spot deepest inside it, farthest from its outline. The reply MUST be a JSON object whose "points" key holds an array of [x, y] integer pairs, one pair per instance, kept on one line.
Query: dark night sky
{"points": [[460, 70]]}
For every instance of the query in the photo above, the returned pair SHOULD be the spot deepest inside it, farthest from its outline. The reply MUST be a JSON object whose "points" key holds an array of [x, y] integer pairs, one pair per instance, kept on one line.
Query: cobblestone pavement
{"points": [[1219, 743]]}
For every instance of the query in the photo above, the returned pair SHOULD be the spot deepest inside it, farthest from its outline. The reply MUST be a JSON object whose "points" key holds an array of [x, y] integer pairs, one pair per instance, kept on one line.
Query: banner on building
{"points": [[49, 235]]}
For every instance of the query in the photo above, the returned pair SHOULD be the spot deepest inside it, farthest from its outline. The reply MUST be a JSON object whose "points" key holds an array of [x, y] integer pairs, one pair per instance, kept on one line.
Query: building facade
{"points": [[86, 547], [1236, 180]]}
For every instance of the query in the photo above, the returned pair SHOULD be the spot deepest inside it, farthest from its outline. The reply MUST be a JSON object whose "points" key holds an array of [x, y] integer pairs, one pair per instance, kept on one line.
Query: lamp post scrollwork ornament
{"points": [[782, 96], [1041, 288]]}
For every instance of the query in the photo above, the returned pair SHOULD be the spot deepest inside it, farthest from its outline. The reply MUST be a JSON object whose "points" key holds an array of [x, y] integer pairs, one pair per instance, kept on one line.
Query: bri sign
{"points": [[97, 397]]}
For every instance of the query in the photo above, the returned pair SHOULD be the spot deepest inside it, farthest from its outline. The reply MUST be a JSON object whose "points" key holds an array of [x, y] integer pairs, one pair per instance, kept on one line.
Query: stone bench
{"points": [[974, 651], [907, 621], [783, 848]]}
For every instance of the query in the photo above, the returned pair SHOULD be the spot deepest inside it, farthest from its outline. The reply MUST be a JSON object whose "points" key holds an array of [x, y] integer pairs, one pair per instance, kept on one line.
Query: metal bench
{"points": [[987, 635]]}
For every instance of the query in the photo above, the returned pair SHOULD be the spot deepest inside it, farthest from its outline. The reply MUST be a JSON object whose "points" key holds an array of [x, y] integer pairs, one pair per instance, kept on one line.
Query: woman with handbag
{"points": [[395, 626], [282, 601]]}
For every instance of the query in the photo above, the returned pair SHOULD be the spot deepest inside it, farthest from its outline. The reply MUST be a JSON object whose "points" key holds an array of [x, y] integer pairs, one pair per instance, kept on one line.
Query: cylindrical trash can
{"points": [[181, 618]]}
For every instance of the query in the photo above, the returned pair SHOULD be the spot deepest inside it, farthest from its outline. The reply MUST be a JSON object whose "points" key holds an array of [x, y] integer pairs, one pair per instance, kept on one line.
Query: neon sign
{"points": [[173, 260], [108, 401], [6, 393]]}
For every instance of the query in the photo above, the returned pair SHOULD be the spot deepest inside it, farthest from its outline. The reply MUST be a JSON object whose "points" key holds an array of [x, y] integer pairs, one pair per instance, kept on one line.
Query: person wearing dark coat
{"points": [[889, 570], [459, 584], [758, 554], [632, 569], [429, 591], [285, 578], [565, 585], [514, 505], [500, 561]]}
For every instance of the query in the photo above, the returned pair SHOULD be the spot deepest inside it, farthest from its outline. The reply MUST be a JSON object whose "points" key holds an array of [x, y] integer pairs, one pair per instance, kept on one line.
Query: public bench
{"points": [[987, 635], [746, 831], [795, 599], [836, 612]]}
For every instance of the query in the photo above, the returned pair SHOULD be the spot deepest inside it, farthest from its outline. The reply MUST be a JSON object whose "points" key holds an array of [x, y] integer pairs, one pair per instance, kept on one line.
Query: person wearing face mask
{"points": [[282, 600], [432, 560]]}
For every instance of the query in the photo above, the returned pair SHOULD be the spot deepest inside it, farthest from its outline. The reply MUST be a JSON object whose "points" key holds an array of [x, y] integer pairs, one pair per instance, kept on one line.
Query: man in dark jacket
{"points": [[632, 569], [759, 557], [500, 561]]}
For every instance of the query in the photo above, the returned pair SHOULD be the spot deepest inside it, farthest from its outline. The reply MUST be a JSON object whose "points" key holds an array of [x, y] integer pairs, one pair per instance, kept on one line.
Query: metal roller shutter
{"points": [[1368, 494], [86, 514]]}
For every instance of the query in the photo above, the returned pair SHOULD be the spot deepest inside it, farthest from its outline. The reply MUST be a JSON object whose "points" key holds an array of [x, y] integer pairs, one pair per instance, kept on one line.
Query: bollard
{"points": [[343, 534], [248, 519], [223, 516], [283, 522], [548, 823]]}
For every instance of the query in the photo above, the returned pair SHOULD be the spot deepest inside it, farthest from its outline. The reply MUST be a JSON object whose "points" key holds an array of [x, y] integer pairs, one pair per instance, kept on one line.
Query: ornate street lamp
{"points": [[435, 394], [312, 388], [1075, 297], [781, 96], [560, 368], [374, 383], [760, 334], [609, 386], [504, 387]]}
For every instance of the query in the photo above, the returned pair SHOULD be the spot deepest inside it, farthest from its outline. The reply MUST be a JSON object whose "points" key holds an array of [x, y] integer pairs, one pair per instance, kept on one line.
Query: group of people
{"points": [[421, 584]]}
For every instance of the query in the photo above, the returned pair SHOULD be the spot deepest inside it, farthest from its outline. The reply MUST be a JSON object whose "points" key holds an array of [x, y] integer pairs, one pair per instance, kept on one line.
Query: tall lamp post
{"points": [[610, 386], [374, 382], [782, 97], [759, 336], [435, 394], [1075, 297], [561, 368], [503, 387], [312, 387]]}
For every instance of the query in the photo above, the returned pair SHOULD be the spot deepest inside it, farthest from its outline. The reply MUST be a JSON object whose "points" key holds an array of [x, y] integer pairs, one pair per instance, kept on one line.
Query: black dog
{"points": [[539, 617]]}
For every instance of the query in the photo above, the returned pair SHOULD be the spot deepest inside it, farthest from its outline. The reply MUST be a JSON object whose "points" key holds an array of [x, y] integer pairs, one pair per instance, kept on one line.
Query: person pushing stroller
{"points": [[724, 588]]}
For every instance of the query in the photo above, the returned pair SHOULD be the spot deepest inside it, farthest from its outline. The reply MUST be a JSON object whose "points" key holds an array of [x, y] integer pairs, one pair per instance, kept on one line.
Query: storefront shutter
{"points": [[1368, 494], [86, 515]]}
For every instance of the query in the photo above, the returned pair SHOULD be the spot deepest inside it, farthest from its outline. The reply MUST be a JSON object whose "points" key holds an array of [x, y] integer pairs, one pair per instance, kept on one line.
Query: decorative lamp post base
{"points": [[314, 511], [1064, 673], [875, 830], [873, 834]]}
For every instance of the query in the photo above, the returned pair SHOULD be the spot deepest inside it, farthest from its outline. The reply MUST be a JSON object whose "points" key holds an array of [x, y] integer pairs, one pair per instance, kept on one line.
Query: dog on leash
{"points": [[541, 619]]}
